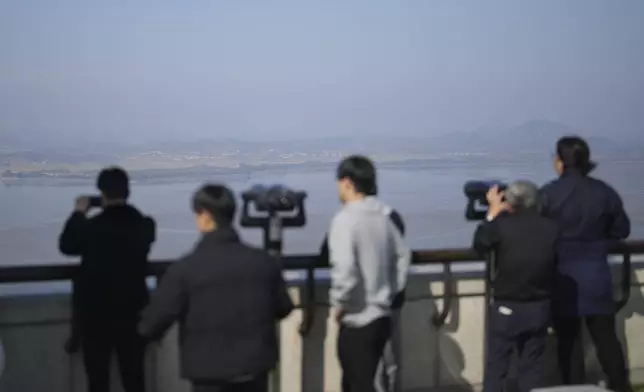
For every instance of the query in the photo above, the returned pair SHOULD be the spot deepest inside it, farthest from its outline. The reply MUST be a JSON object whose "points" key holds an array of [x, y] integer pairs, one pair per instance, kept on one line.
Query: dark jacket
{"points": [[525, 249], [228, 298], [397, 220], [113, 246], [591, 216]]}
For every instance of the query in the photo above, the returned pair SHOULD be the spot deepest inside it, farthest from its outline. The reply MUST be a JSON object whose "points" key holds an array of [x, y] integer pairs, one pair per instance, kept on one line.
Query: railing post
{"points": [[625, 282], [308, 307], [438, 319], [490, 271]]}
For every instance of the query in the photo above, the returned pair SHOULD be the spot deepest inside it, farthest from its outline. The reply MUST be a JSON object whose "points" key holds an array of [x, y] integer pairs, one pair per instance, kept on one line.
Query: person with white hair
{"points": [[523, 244]]}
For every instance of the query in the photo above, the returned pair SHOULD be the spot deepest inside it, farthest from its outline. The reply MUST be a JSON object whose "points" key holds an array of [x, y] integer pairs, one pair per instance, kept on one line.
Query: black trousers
{"points": [[99, 341], [257, 384], [359, 352], [607, 346], [522, 326]]}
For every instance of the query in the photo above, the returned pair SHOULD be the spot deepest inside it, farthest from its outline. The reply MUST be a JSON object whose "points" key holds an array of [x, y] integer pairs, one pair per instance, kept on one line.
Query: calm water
{"points": [[430, 200]]}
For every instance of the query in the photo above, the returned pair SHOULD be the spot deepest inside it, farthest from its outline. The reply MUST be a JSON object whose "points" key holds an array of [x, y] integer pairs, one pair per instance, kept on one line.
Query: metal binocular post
{"points": [[490, 273], [274, 202]]}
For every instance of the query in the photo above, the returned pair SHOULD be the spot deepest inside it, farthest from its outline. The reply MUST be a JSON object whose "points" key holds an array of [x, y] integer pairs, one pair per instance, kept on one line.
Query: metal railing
{"points": [[311, 263]]}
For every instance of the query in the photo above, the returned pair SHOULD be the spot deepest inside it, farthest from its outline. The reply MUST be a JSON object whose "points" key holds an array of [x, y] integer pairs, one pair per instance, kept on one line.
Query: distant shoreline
{"points": [[245, 171], [162, 175]]}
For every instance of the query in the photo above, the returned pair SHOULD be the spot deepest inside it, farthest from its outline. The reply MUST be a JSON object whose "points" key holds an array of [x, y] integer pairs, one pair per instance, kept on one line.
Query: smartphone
{"points": [[95, 201]]}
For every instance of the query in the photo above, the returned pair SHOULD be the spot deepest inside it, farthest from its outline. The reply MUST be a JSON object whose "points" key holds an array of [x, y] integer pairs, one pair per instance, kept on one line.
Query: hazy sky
{"points": [[154, 69]]}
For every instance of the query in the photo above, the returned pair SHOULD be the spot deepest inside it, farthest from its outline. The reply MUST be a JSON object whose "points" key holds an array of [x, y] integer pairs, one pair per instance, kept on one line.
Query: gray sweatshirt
{"points": [[369, 261]]}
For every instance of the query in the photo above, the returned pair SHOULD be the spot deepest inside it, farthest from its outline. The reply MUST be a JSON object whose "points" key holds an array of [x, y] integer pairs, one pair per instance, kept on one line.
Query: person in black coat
{"points": [[524, 244], [591, 216], [227, 297], [110, 290]]}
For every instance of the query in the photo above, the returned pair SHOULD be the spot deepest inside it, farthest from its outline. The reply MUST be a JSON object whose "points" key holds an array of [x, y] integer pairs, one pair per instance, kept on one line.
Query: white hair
{"points": [[522, 195]]}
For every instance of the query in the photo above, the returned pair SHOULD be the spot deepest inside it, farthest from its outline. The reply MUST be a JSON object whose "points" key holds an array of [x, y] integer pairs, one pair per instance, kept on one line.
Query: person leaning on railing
{"points": [[523, 245], [590, 215]]}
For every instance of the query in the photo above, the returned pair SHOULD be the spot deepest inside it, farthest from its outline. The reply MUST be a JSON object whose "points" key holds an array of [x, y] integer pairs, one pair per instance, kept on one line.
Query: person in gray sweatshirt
{"points": [[388, 374], [369, 263]]}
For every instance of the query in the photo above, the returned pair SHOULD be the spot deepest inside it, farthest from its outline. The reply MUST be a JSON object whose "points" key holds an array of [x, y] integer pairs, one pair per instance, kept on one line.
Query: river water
{"points": [[429, 198]]}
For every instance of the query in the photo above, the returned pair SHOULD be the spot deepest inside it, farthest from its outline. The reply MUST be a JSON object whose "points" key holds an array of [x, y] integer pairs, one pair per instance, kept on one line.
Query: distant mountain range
{"points": [[531, 137]]}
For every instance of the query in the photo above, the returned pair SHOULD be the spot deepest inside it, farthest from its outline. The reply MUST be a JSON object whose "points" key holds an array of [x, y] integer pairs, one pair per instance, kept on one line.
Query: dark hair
{"points": [[114, 183], [574, 153], [361, 172], [218, 201]]}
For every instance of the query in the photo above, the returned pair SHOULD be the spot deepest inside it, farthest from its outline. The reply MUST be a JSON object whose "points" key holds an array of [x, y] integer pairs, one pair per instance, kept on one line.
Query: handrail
{"points": [[57, 272], [66, 271]]}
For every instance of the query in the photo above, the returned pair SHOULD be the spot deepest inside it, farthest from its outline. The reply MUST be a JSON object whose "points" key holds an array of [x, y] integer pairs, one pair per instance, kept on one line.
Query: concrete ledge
{"points": [[33, 329]]}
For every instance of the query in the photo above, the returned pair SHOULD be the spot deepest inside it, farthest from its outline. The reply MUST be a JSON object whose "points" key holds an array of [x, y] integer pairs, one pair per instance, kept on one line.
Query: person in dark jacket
{"points": [[590, 215], [524, 244], [227, 297], [110, 290]]}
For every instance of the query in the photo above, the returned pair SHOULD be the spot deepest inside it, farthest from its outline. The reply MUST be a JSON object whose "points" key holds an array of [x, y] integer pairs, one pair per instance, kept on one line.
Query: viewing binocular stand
{"points": [[276, 208]]}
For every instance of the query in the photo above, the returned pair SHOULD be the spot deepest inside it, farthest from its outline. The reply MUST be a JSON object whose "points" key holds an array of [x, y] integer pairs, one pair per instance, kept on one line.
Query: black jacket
{"points": [[113, 246], [228, 298], [525, 248]]}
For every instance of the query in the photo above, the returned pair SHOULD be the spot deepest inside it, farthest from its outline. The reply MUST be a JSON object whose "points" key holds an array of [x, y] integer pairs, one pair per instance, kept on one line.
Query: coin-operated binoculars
{"points": [[276, 207], [475, 192]]}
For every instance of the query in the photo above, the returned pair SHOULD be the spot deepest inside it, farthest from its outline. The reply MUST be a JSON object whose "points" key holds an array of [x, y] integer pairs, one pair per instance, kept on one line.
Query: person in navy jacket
{"points": [[591, 216]]}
